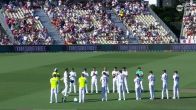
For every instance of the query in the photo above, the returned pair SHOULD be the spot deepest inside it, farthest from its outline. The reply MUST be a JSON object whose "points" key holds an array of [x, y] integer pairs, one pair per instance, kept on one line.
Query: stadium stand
{"points": [[26, 28], [85, 23], [137, 17], [188, 35]]}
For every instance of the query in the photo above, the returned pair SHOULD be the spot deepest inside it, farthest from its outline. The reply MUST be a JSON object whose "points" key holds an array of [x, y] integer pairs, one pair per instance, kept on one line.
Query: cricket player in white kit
{"points": [[125, 73], [64, 92], [114, 80], [137, 87], [151, 79], [176, 79], [164, 79], [86, 75], [121, 86], [72, 80], [107, 74], [94, 74], [104, 82]]}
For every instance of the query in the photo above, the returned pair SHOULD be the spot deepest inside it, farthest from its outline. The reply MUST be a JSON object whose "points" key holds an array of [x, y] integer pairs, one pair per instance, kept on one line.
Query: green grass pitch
{"points": [[24, 79]]}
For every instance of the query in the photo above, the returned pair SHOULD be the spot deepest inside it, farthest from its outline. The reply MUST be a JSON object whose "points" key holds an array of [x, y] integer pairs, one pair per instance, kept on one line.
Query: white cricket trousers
{"points": [[165, 90], [126, 85], [53, 91], [72, 84], [81, 95], [86, 88], [151, 89], [138, 93], [108, 88], [64, 92], [115, 85], [58, 86], [141, 85], [176, 91], [94, 84], [104, 93], [121, 91]]}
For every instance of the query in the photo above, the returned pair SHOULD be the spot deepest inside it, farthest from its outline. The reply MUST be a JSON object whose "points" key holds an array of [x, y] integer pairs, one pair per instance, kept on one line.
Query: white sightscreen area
{"points": [[152, 2]]}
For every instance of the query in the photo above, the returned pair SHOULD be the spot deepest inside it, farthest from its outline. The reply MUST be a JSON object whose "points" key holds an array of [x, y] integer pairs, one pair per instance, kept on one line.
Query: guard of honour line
{"points": [[119, 84]]}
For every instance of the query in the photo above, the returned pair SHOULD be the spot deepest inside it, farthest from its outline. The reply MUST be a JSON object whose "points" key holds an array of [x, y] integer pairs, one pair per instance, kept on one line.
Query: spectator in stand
{"points": [[84, 23], [26, 28], [133, 15], [189, 21]]}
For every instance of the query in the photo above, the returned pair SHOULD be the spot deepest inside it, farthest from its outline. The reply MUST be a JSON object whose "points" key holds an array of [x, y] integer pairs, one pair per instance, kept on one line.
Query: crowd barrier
{"points": [[86, 48]]}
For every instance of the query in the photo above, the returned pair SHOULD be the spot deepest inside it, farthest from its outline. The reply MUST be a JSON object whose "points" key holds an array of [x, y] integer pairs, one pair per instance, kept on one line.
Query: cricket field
{"points": [[24, 79]]}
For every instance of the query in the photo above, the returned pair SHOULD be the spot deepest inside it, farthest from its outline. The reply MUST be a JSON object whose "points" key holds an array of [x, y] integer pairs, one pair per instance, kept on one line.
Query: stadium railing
{"points": [[182, 26], [5, 26]]}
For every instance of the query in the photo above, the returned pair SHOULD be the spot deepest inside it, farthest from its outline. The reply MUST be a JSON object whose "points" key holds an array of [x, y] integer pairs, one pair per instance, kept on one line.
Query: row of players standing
{"points": [[94, 79], [119, 83], [151, 78]]}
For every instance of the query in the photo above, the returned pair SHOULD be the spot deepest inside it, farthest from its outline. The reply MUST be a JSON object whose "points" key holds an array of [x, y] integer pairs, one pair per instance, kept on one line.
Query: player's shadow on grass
{"points": [[145, 91], [188, 97], [73, 94], [93, 100]]}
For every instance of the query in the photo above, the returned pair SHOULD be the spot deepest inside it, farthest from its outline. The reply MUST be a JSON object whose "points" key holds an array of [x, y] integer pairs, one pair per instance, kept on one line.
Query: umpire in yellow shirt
{"points": [[82, 83], [58, 78], [53, 83]]}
